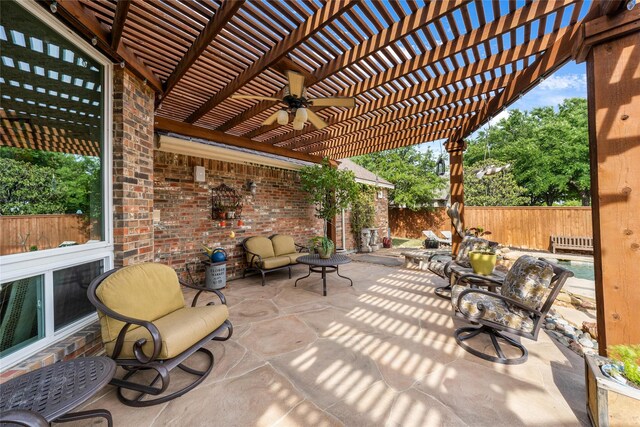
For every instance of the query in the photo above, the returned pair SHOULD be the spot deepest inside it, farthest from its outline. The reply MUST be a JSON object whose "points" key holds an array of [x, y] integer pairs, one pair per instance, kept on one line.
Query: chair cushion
{"points": [[293, 258], [437, 267], [143, 291], [497, 310], [528, 281], [275, 262], [468, 244], [283, 244], [261, 246], [179, 331]]}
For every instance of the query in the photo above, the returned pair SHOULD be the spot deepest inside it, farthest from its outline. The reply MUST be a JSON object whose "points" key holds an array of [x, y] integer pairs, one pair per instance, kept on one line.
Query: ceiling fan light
{"points": [[283, 117], [301, 115], [298, 125]]}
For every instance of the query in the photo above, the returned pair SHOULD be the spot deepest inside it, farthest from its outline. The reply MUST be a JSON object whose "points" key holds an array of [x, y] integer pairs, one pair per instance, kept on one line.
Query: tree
{"points": [[28, 189], [411, 172], [499, 189], [328, 188], [549, 151]]}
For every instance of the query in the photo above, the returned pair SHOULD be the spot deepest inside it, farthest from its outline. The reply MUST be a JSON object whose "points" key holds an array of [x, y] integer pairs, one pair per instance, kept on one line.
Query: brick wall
{"points": [[132, 169], [278, 206]]}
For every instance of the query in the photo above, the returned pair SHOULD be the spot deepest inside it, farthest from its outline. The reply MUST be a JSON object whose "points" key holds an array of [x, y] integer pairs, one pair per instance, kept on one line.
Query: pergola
{"points": [[419, 72]]}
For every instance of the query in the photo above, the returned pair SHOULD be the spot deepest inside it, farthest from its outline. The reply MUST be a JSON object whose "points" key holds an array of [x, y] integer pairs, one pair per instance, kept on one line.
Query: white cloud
{"points": [[501, 115], [567, 81]]}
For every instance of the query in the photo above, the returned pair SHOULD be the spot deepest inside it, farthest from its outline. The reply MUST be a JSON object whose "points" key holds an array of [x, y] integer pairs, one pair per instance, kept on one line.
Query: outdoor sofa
{"points": [[274, 253]]}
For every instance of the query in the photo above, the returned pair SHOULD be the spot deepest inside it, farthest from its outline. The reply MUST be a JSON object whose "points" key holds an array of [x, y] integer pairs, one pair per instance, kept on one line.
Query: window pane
{"points": [[70, 302], [20, 313], [51, 115]]}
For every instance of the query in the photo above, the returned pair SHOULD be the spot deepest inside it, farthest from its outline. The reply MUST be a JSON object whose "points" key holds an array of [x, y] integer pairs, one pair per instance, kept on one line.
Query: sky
{"points": [[569, 81]]}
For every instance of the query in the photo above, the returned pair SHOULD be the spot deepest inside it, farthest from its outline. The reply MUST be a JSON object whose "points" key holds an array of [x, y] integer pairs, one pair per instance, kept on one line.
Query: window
{"points": [[55, 166]]}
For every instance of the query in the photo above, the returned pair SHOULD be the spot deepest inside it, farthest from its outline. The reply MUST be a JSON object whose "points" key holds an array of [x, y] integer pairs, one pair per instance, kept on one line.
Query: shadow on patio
{"points": [[378, 353]]}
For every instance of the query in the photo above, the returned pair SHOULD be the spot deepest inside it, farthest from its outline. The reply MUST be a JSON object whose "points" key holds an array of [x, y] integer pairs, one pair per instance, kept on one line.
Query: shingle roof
{"points": [[363, 175]]}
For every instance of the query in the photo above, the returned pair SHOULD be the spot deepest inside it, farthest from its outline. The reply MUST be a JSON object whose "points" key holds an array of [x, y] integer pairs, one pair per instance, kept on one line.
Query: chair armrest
{"points": [[495, 282], [301, 248], [23, 417], [253, 257], [440, 255], [200, 290], [482, 309]]}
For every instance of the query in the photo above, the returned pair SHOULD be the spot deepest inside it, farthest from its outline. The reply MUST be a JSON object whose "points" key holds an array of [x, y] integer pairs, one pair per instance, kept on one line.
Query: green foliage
{"points": [[330, 189], [28, 189], [411, 172], [321, 242], [548, 150], [629, 356], [363, 210], [500, 189]]}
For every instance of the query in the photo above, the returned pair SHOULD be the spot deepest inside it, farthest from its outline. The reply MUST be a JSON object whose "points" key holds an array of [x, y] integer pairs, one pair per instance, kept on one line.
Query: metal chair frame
{"points": [[143, 362], [256, 260]]}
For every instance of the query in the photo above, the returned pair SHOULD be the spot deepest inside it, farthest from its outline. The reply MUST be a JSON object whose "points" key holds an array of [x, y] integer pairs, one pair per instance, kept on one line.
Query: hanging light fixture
{"points": [[298, 125], [301, 114], [440, 166], [283, 117]]}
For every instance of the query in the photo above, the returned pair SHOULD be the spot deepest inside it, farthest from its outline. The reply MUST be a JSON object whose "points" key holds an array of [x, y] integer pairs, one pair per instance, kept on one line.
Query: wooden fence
{"points": [[522, 226], [20, 233]]}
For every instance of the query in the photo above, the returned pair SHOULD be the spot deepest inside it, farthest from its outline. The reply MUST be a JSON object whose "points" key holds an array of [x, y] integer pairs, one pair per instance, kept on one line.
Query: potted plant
{"points": [[483, 260], [477, 231], [613, 386], [323, 246]]}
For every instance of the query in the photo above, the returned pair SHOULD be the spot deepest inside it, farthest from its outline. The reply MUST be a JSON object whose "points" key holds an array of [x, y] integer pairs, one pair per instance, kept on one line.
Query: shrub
{"points": [[629, 356]]}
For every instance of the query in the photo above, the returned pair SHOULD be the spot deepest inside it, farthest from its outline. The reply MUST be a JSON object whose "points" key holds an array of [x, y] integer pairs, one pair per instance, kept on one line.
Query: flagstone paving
{"points": [[380, 353]]}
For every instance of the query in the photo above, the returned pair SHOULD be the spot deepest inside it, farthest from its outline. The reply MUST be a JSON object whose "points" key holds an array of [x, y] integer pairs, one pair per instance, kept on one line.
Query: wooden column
{"points": [[456, 178], [613, 74]]}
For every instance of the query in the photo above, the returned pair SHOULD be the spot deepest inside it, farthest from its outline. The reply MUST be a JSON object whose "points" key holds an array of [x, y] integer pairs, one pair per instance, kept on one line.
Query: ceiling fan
{"points": [[297, 104]]}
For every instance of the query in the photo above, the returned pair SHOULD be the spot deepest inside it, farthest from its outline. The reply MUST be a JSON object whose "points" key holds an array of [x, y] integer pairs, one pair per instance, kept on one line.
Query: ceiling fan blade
{"points": [[271, 119], [334, 102], [296, 83], [260, 97], [316, 120]]}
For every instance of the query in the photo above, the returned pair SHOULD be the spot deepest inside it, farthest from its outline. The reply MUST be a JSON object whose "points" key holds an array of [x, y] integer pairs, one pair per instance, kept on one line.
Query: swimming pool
{"points": [[581, 270]]}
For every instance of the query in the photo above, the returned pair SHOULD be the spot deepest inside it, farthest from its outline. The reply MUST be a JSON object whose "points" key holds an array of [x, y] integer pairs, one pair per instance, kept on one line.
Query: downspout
{"points": [[344, 236]]}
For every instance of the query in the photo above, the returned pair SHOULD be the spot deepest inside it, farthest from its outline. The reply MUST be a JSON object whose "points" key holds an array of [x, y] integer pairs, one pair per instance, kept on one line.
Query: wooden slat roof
{"points": [[419, 70]]}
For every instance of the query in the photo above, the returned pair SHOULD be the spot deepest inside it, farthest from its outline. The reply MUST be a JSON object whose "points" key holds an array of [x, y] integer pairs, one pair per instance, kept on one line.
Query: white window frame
{"points": [[45, 262]]}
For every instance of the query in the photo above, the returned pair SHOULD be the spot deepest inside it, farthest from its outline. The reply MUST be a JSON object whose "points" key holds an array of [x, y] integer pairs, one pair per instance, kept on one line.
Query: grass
{"points": [[401, 242]]}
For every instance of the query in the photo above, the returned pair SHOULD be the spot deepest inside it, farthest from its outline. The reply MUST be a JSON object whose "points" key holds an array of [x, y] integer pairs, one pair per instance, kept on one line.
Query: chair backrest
{"points": [[468, 244], [430, 235], [258, 245], [283, 244], [447, 234], [144, 291]]}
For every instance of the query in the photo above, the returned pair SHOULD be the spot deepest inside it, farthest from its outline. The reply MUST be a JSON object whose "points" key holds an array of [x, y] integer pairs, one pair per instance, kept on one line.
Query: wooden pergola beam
{"points": [[312, 25], [223, 15], [122, 8], [502, 25], [84, 22], [398, 30], [191, 130]]}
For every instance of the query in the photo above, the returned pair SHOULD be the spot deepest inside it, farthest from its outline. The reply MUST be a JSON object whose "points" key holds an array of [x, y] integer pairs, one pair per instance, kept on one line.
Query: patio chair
{"points": [[146, 326], [430, 235], [440, 264], [527, 293], [447, 234], [453, 212]]}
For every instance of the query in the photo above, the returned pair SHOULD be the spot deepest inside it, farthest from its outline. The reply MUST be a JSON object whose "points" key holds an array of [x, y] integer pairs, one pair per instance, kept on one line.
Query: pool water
{"points": [[581, 270]]}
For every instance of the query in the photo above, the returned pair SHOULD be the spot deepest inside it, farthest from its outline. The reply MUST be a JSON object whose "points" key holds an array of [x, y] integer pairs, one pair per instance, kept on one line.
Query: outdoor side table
{"points": [[457, 271], [324, 266], [56, 389]]}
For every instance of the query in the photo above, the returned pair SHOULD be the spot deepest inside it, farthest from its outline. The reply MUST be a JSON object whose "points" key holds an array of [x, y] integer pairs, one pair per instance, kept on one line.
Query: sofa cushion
{"points": [[143, 291], [259, 245], [294, 256], [283, 244], [179, 331], [497, 310], [275, 262], [528, 281]]}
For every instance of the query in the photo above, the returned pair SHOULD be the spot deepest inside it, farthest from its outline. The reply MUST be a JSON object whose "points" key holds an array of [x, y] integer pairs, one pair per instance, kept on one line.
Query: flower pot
{"points": [[323, 254], [482, 262], [609, 403]]}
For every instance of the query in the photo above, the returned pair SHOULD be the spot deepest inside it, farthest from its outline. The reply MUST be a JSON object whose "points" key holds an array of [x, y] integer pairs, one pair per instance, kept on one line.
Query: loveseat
{"points": [[274, 253]]}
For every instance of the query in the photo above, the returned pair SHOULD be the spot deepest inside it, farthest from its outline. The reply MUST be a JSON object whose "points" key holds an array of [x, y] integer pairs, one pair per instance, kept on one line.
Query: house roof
{"points": [[364, 176]]}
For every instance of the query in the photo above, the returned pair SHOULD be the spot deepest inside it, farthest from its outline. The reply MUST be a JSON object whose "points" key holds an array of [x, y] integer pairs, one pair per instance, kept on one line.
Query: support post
{"points": [[613, 61], [456, 185]]}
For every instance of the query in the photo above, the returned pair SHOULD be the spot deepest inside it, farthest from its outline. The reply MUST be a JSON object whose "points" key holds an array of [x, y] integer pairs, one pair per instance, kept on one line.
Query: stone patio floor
{"points": [[379, 353]]}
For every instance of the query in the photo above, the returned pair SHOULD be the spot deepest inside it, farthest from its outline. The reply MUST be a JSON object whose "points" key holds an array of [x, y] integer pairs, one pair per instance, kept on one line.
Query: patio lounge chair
{"points": [[447, 234], [526, 295], [146, 326], [430, 235], [441, 264]]}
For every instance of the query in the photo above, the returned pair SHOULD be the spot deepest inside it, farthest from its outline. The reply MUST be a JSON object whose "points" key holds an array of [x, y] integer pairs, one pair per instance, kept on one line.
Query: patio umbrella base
{"points": [[463, 334]]}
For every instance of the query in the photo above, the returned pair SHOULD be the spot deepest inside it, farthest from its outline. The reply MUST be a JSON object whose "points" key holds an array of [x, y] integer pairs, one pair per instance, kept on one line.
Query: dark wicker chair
{"points": [[146, 326], [440, 264], [525, 297]]}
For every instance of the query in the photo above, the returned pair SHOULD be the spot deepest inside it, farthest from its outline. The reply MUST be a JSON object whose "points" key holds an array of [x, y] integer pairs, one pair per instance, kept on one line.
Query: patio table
{"points": [[324, 266], [457, 271], [56, 389]]}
